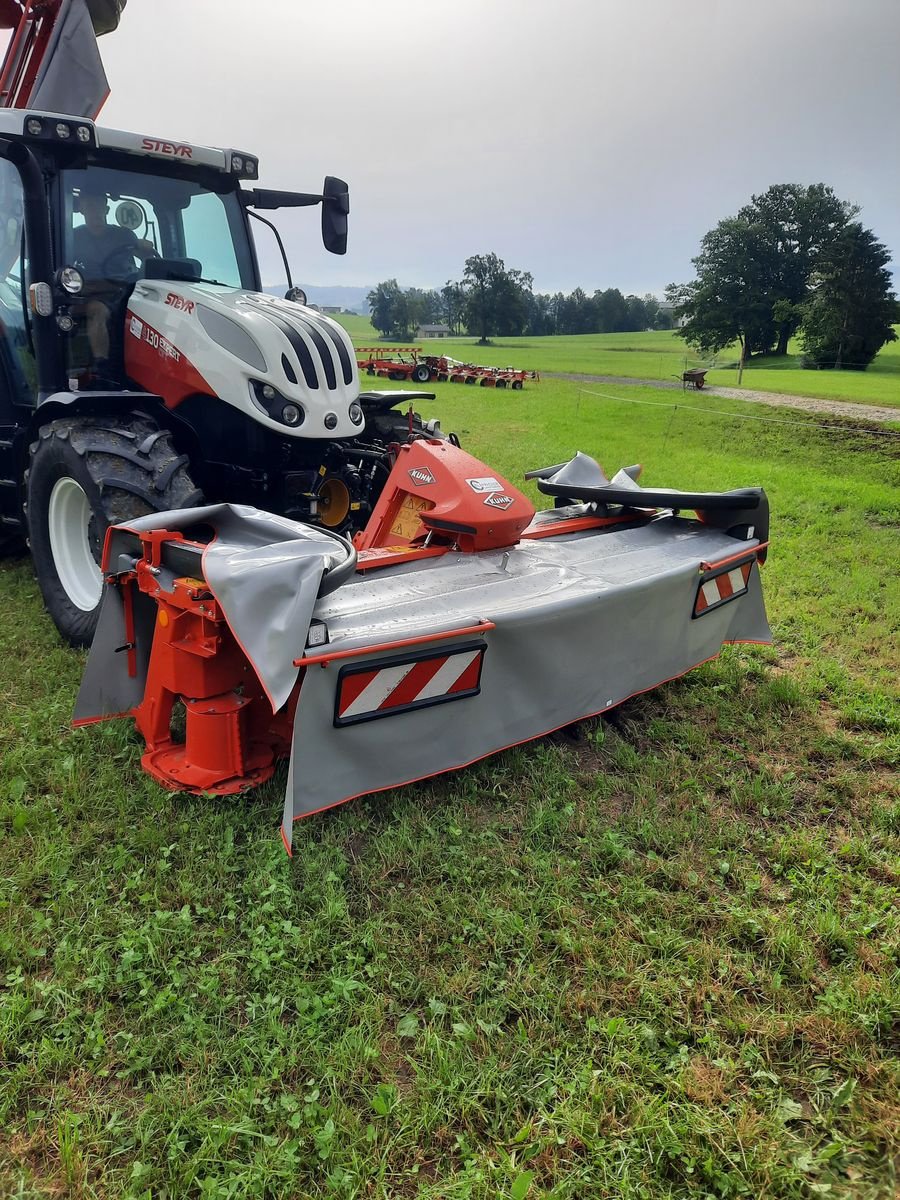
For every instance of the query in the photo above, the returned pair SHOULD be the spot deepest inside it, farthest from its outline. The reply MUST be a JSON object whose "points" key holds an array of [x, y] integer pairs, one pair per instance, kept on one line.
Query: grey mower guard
{"points": [[582, 622], [264, 570]]}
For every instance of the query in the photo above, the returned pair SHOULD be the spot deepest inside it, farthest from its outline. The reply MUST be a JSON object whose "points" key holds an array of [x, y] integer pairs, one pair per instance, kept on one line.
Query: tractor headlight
{"points": [[356, 414], [83, 133], [63, 130], [71, 280], [34, 126], [276, 406], [242, 165]]}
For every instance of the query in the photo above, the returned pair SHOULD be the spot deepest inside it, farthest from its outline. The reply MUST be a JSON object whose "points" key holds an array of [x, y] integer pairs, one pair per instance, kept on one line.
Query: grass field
{"points": [[664, 355], [656, 960]]}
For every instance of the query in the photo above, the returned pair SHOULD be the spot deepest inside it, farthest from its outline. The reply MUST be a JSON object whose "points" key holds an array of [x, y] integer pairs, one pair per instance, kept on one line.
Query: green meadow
{"points": [[656, 957], [664, 355]]}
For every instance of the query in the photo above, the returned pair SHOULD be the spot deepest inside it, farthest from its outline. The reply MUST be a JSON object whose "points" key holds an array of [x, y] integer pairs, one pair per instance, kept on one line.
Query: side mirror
{"points": [[335, 207], [295, 294]]}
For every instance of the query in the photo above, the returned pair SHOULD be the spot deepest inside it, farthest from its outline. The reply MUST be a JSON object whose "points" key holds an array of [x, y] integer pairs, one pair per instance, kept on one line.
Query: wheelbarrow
{"points": [[695, 378]]}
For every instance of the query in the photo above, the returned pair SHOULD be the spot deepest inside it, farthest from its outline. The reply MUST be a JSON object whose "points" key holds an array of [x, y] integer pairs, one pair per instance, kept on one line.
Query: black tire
{"points": [[516, 385], [422, 373], [470, 378], [501, 383], [126, 467]]}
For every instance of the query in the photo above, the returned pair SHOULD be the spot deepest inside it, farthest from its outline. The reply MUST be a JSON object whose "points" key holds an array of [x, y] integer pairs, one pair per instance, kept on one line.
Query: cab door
{"points": [[18, 373]]}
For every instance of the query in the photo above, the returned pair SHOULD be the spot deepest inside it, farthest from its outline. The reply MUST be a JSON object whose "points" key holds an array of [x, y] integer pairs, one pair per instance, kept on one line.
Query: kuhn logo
{"points": [[495, 500], [486, 484], [179, 302], [157, 147], [136, 327], [421, 476]]}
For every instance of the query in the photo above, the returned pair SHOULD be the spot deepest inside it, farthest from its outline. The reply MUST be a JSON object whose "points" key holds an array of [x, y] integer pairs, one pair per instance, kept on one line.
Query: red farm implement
{"points": [[376, 360]]}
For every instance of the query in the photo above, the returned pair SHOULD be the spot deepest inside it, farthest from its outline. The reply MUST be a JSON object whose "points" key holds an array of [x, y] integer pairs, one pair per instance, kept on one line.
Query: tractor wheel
{"points": [[516, 385], [501, 383], [87, 473], [470, 378], [422, 373]]}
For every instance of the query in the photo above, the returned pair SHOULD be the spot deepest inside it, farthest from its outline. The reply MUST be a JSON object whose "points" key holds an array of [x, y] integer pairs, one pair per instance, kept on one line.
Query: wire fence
{"points": [[733, 416]]}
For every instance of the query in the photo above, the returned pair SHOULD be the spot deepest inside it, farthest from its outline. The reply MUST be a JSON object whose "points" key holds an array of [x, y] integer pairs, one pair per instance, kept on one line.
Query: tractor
{"points": [[142, 366]]}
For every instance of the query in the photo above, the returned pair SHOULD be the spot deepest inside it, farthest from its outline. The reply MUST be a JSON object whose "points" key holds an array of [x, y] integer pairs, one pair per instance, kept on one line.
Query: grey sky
{"points": [[592, 143]]}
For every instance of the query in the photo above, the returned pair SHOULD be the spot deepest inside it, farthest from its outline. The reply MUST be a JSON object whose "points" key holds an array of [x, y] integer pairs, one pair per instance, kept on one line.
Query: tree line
{"points": [[794, 261], [492, 300]]}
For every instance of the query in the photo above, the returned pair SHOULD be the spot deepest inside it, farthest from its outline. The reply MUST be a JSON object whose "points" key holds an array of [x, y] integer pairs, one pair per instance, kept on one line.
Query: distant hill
{"points": [[352, 298]]}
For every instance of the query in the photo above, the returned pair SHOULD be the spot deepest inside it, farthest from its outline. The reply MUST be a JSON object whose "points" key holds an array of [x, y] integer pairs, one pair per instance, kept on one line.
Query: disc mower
{"points": [[259, 638]]}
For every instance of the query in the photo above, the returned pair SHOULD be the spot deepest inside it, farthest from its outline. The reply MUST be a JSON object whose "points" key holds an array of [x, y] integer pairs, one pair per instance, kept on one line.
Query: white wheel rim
{"points": [[68, 519]]}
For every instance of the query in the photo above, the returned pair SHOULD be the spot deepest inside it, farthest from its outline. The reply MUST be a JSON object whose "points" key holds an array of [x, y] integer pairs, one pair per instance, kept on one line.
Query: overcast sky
{"points": [[591, 142]]}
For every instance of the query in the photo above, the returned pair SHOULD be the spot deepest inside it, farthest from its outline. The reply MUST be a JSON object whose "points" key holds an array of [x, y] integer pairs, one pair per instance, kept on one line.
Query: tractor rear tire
{"points": [[422, 373], [85, 474]]}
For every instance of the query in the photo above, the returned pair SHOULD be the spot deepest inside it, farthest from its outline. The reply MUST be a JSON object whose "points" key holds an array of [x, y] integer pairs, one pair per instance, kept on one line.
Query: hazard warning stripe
{"points": [[364, 692], [725, 586]]}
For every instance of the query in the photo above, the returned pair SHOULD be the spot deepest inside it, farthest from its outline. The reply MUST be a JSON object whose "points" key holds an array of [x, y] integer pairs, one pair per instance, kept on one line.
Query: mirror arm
{"points": [[263, 198], [284, 257]]}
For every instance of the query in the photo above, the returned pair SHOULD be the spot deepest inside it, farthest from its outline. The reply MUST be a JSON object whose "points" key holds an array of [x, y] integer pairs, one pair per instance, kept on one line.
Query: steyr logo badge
{"points": [[421, 476], [499, 501]]}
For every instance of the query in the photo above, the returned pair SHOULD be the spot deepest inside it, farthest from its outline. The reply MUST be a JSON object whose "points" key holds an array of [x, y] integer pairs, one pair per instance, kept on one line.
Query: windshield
{"points": [[115, 221]]}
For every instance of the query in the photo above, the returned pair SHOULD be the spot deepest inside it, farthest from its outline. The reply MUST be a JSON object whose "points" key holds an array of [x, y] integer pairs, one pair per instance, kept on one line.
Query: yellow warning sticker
{"points": [[406, 522]]}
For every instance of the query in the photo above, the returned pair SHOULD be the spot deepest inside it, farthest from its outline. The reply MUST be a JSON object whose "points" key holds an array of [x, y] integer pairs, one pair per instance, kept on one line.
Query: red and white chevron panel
{"points": [[364, 694], [727, 585]]}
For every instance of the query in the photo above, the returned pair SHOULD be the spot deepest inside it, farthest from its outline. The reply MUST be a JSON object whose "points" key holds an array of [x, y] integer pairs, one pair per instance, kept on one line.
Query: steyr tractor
{"points": [[142, 366]]}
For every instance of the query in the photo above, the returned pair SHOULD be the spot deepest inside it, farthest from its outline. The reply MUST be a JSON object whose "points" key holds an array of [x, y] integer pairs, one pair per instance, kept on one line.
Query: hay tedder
{"points": [[274, 639], [410, 364], [380, 361]]}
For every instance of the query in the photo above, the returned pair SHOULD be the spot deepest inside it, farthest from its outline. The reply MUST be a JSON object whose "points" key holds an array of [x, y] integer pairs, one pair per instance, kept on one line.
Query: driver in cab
{"points": [[105, 255]]}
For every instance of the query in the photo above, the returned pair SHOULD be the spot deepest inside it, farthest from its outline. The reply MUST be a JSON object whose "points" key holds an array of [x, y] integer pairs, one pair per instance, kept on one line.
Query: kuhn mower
{"points": [[280, 640]]}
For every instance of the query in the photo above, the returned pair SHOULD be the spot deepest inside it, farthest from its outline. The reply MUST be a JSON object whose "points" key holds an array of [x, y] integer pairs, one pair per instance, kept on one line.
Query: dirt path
{"points": [[832, 408]]}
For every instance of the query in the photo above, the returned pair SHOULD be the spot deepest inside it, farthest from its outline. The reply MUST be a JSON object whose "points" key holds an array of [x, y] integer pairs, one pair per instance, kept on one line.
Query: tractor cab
{"points": [[122, 208]]}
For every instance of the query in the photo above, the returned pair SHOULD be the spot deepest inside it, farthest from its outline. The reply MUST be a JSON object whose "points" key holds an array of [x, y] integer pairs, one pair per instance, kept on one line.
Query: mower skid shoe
{"points": [[550, 632]]}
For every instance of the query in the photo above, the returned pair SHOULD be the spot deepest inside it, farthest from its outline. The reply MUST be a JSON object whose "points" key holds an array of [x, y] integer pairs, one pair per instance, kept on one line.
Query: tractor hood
{"points": [[284, 364]]}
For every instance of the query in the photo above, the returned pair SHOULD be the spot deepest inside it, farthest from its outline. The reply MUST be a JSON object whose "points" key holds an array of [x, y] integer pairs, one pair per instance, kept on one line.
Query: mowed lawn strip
{"points": [[656, 960], [661, 355]]}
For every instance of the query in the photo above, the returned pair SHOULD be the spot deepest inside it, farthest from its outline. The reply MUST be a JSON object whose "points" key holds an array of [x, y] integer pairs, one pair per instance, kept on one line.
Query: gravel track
{"points": [[815, 404]]}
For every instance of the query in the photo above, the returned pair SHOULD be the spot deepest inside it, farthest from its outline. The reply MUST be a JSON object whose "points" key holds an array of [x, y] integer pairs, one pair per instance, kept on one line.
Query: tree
{"points": [[753, 270], [497, 298], [388, 306], [851, 310], [612, 311], [727, 302], [453, 303], [793, 225], [578, 313]]}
